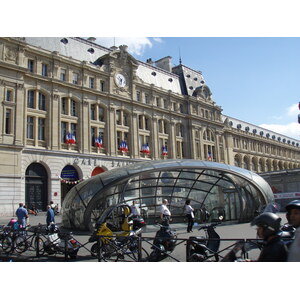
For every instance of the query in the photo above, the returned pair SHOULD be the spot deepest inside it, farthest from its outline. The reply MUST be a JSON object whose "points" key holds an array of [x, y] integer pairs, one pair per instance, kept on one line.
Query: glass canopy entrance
{"points": [[212, 187]]}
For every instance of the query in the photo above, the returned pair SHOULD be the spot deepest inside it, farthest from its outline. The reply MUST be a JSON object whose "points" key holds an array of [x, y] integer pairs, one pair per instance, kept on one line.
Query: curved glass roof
{"points": [[210, 186]]}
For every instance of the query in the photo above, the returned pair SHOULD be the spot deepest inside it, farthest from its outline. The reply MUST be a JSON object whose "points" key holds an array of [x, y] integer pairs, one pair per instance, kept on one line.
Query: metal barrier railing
{"points": [[125, 248]]}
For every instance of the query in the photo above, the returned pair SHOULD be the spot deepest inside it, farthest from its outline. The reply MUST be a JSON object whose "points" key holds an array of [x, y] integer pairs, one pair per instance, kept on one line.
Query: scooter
{"points": [[164, 243], [56, 242], [116, 234], [204, 248]]}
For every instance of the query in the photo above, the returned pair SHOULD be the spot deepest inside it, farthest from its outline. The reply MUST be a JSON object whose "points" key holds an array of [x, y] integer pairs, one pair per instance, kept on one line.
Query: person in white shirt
{"points": [[165, 214], [134, 209], [293, 217], [189, 212]]}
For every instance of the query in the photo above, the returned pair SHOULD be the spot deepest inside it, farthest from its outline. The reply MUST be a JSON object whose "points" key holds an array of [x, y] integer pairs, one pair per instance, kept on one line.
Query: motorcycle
{"points": [[164, 243], [206, 247], [116, 234], [138, 222], [56, 242]]}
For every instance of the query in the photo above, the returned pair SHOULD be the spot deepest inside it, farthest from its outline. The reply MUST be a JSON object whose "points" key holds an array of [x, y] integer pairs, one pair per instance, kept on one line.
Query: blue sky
{"points": [[241, 47], [255, 79]]}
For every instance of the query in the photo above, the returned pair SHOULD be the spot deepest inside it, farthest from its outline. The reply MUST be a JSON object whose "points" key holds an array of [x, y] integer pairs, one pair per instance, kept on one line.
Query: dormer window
{"points": [[64, 41], [170, 79], [153, 73], [91, 50]]}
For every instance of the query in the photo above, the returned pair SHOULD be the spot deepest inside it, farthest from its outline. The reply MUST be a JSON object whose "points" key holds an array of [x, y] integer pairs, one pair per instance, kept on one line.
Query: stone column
{"points": [[85, 126], [54, 123], [134, 135], [155, 151], [172, 140], [111, 141]]}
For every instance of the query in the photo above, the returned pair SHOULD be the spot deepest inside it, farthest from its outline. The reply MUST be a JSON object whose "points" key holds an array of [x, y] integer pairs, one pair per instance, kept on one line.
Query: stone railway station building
{"points": [[71, 109]]}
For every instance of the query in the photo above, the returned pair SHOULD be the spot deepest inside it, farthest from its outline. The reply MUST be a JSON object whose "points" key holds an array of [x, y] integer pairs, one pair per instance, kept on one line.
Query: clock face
{"points": [[120, 80]]}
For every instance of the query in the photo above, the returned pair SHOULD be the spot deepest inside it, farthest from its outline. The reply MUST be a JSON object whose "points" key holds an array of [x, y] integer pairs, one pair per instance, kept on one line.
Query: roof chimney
{"points": [[165, 63]]}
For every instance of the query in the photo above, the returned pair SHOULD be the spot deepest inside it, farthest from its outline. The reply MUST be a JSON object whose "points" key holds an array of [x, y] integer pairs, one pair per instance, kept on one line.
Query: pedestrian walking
{"points": [[50, 216], [189, 212], [165, 214], [22, 215]]}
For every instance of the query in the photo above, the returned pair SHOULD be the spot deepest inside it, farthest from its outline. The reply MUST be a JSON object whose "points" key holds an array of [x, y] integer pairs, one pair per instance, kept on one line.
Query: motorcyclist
{"points": [[293, 217], [268, 229]]}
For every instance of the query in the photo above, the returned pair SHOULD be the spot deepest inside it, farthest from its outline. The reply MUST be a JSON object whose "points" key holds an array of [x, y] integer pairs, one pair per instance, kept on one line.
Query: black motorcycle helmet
{"points": [[290, 206], [269, 221], [293, 204]]}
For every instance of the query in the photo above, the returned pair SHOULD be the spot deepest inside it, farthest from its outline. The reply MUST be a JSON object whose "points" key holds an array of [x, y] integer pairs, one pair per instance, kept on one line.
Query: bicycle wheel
{"points": [[21, 244], [7, 244]]}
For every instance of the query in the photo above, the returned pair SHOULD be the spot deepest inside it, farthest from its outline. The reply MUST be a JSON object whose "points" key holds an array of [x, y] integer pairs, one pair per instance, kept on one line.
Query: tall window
{"points": [[138, 96], [8, 121], [30, 126], [30, 99], [165, 103], [163, 126], [93, 112], [42, 101], [44, 70], [101, 113], [64, 106], [121, 118], [180, 130], [9, 95], [144, 122], [73, 108], [30, 65], [91, 82], [63, 74], [102, 86], [73, 129], [75, 78], [41, 129]]}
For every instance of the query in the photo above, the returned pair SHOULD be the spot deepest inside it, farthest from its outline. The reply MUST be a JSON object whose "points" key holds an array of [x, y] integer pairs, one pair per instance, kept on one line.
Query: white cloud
{"points": [[293, 110], [291, 130], [136, 45]]}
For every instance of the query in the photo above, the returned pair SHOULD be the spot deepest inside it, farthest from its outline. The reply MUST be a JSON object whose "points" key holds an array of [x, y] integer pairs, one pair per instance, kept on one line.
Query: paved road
{"points": [[235, 231]]}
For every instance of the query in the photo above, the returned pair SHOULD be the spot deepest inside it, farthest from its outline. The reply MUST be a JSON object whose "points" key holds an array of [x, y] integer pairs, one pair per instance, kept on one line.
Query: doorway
{"points": [[36, 187]]}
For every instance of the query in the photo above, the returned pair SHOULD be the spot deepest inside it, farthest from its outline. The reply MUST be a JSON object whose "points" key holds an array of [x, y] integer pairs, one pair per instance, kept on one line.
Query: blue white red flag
{"points": [[123, 147], [164, 150], [145, 149], [209, 155]]}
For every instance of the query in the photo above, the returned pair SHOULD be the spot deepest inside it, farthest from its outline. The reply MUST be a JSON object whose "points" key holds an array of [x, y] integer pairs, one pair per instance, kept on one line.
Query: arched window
{"points": [[237, 161], [179, 130]]}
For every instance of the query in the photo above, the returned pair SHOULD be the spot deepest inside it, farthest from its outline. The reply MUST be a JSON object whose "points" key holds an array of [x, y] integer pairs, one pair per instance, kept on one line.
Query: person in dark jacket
{"points": [[50, 215], [273, 248]]}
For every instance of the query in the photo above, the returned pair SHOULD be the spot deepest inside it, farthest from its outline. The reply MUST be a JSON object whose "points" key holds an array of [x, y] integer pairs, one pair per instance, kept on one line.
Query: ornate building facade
{"points": [[71, 109]]}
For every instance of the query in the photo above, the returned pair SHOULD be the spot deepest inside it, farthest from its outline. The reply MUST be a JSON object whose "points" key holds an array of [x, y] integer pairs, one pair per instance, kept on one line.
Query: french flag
{"points": [[98, 142], [145, 149], [164, 150], [72, 139], [209, 155], [123, 147]]}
